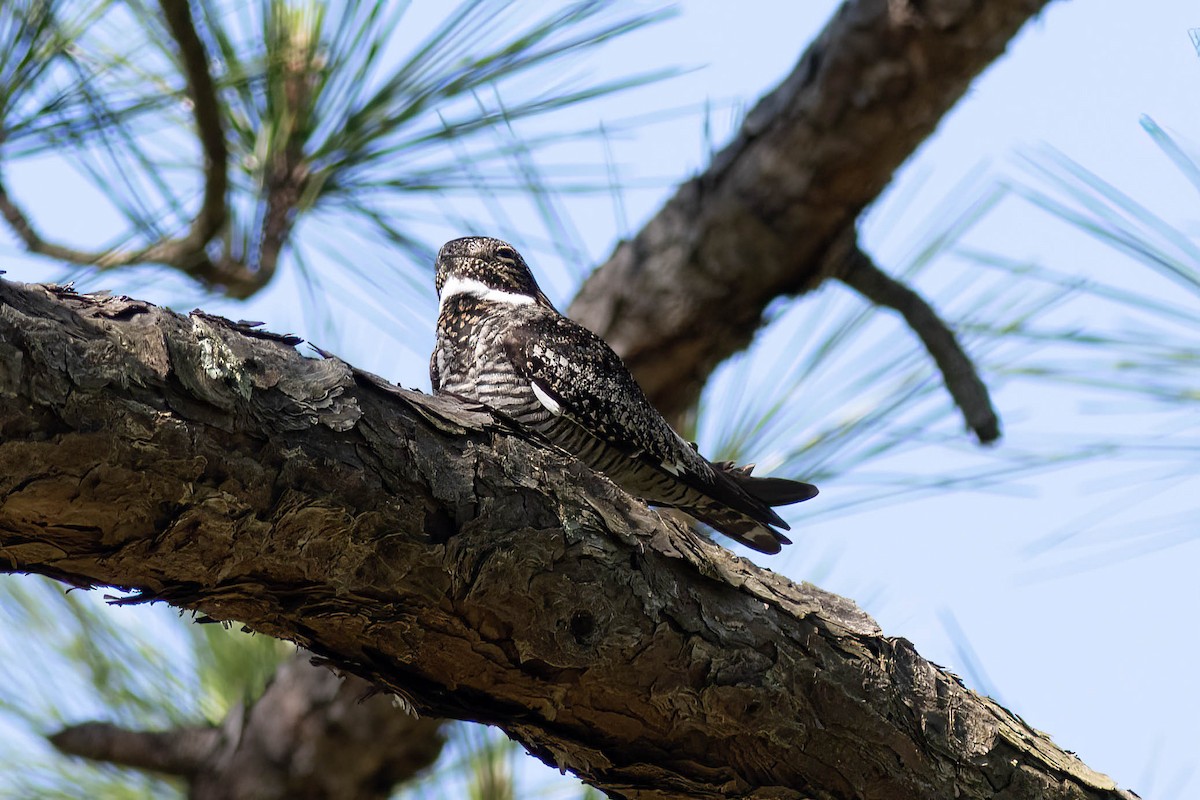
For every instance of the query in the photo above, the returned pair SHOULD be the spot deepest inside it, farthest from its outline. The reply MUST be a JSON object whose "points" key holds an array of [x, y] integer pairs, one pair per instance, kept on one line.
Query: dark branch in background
{"points": [[690, 289], [424, 545], [310, 736], [859, 272], [181, 751]]}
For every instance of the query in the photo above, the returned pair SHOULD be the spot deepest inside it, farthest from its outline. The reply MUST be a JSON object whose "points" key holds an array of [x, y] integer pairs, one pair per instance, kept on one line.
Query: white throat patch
{"points": [[455, 285]]}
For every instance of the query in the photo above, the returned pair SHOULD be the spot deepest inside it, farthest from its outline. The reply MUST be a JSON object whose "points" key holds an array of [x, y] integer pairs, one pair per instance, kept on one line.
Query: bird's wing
{"points": [[576, 375]]}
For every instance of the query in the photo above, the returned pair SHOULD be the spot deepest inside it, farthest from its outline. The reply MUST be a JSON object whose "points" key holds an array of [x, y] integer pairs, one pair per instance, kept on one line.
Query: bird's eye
{"points": [[506, 253]]}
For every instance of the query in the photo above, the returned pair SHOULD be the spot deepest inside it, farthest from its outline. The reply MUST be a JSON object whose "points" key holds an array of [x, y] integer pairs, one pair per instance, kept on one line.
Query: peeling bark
{"points": [[690, 289], [424, 545]]}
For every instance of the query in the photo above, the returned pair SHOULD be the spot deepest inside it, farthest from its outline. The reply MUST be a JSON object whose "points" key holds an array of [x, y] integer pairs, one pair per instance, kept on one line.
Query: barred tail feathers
{"points": [[773, 491], [740, 528], [753, 521]]}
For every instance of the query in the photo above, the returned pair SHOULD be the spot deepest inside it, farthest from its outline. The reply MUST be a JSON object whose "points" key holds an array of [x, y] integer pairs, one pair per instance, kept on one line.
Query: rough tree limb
{"points": [[310, 736], [420, 544], [690, 289]]}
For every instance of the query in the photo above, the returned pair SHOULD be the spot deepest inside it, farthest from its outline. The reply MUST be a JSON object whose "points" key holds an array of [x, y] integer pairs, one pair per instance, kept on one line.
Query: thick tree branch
{"points": [[425, 546], [859, 272], [690, 289]]}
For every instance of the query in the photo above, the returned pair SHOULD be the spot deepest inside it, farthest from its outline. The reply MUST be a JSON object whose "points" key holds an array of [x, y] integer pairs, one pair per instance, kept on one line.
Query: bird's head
{"points": [[487, 268]]}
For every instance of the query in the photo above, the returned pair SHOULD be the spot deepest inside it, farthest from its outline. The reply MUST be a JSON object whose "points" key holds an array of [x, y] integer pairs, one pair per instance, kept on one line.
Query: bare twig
{"points": [[858, 271], [19, 221]]}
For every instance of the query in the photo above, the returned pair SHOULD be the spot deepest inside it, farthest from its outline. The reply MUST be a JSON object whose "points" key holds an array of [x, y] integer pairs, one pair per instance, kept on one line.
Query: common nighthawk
{"points": [[501, 342]]}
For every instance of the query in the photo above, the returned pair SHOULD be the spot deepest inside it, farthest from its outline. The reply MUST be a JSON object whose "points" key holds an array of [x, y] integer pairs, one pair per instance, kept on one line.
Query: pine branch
{"points": [[187, 253], [315, 121], [427, 547]]}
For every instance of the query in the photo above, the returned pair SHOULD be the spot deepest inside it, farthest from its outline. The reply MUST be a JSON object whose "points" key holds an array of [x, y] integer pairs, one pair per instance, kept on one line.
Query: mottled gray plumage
{"points": [[502, 343]]}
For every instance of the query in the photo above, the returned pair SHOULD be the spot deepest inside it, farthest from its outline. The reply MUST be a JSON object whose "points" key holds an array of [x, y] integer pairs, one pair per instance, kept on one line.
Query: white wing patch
{"points": [[456, 285], [674, 469], [545, 399], [440, 357]]}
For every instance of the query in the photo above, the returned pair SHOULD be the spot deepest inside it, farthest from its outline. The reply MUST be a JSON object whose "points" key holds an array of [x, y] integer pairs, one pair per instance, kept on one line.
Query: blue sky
{"points": [[1089, 640]]}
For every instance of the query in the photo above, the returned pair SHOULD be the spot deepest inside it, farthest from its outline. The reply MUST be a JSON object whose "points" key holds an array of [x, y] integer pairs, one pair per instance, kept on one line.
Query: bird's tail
{"points": [[755, 530], [768, 491]]}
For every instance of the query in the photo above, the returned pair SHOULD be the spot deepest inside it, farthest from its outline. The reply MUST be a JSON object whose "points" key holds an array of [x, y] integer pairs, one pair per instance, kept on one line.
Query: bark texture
{"points": [[690, 289], [424, 546], [310, 736]]}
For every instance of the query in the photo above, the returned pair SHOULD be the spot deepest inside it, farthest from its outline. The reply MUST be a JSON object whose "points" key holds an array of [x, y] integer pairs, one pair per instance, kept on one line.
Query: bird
{"points": [[500, 342]]}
